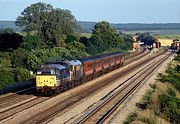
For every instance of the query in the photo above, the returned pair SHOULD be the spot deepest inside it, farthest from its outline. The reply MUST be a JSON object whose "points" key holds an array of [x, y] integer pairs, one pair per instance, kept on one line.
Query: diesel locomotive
{"points": [[55, 77]]}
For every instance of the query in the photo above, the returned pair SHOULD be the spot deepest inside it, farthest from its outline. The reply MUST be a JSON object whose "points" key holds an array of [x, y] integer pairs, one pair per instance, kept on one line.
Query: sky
{"points": [[113, 11]]}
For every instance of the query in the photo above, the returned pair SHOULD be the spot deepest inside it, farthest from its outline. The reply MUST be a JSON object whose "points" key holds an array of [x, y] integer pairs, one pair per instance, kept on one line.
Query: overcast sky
{"points": [[114, 11]]}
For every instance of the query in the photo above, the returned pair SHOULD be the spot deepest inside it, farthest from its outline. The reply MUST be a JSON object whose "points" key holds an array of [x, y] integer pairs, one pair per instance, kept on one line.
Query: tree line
{"points": [[88, 26]]}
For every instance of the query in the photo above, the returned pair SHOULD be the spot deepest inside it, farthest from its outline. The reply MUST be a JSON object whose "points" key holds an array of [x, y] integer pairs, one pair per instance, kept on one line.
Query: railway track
{"points": [[100, 113], [14, 103], [24, 95], [52, 111], [135, 54], [14, 98], [28, 91], [9, 112], [140, 55]]}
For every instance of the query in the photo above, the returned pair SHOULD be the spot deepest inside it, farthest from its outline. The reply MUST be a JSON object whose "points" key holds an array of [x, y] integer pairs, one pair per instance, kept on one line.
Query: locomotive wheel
{"points": [[38, 93]]}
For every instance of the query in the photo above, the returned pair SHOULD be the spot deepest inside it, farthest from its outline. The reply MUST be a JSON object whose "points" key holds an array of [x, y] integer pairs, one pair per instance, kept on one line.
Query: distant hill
{"points": [[141, 26], [86, 27], [8, 24]]}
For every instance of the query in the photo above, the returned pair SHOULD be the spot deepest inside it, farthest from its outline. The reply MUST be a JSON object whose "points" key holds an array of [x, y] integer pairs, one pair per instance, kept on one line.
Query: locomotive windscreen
{"points": [[46, 72]]}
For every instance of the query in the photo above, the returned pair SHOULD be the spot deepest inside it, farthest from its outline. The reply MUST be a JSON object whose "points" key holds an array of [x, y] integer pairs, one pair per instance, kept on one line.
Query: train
{"points": [[55, 77]]}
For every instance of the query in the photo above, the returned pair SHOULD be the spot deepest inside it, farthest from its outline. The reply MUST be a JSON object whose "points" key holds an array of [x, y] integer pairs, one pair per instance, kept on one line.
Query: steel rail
{"points": [[114, 95]]}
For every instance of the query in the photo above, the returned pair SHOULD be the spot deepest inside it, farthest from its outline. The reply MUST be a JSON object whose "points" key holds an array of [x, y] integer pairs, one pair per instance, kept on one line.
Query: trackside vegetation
{"points": [[51, 34], [161, 104]]}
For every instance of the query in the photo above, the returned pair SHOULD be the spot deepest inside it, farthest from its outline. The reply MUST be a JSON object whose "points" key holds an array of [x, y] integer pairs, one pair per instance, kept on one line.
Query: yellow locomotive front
{"points": [[43, 81], [46, 79]]}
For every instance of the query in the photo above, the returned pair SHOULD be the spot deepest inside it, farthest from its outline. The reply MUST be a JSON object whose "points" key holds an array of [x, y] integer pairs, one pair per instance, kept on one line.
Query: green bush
{"points": [[20, 58], [147, 120], [131, 117], [23, 75], [4, 62], [6, 78], [153, 86], [169, 105], [31, 42], [172, 77]]}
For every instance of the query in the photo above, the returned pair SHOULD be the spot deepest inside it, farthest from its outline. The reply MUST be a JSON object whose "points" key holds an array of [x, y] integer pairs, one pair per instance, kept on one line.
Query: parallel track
{"points": [[105, 109], [13, 99], [59, 107], [17, 97], [21, 107]]}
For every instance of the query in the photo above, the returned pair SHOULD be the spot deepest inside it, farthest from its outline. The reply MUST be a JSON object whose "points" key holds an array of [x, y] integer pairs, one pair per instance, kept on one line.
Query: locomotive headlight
{"points": [[40, 82], [52, 78]]}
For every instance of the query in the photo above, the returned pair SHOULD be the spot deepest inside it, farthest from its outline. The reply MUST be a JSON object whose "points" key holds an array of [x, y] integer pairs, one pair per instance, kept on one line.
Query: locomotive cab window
{"points": [[46, 72], [57, 73]]}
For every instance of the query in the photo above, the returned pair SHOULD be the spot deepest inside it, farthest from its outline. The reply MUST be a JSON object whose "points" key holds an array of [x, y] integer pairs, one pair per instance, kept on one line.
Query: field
{"points": [[165, 41], [165, 37], [156, 32]]}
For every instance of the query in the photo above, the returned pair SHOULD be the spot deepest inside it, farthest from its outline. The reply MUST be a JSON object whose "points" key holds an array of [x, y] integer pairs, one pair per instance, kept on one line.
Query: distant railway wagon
{"points": [[178, 45], [55, 77]]}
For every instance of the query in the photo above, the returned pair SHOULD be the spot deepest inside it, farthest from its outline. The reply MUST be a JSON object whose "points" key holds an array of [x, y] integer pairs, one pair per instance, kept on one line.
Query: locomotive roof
{"points": [[64, 63], [55, 66], [75, 62]]}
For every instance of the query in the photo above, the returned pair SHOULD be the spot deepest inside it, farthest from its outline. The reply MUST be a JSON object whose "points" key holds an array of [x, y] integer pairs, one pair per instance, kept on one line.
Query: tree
{"points": [[50, 24], [128, 42], [20, 58], [71, 38], [31, 42], [10, 41], [8, 30], [84, 40], [33, 61], [6, 78], [32, 16], [22, 74], [104, 38]]}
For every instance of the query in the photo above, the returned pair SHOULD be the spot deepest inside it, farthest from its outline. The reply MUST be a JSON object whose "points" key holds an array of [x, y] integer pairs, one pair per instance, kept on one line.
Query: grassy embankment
{"points": [[161, 104]]}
